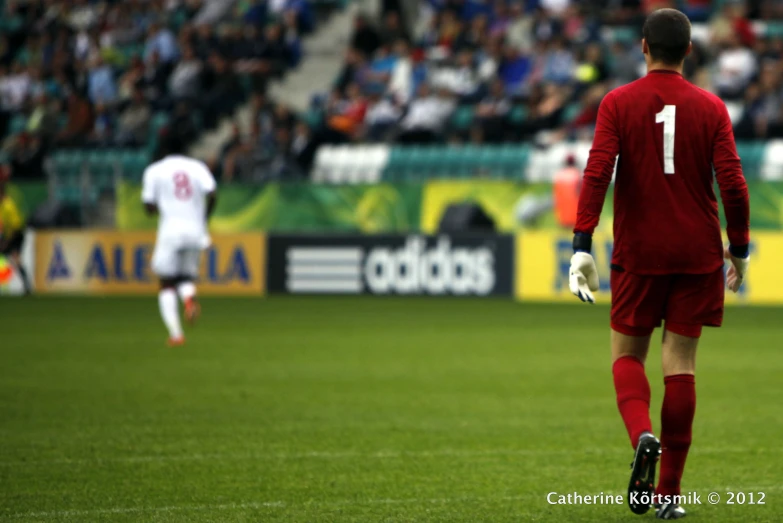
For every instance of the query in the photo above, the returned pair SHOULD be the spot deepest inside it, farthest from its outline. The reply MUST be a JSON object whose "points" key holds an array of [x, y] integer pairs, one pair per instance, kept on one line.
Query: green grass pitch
{"points": [[358, 409]]}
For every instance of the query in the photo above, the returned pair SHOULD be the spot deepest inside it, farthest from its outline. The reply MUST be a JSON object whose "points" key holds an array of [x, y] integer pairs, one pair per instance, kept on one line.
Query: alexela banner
{"points": [[459, 265], [110, 262]]}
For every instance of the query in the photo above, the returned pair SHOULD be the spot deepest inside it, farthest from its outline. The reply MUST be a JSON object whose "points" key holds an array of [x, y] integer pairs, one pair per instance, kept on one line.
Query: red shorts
{"points": [[686, 301]]}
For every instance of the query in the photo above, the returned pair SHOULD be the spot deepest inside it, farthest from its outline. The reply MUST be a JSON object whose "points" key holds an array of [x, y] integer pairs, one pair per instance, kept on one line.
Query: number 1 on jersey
{"points": [[666, 116]]}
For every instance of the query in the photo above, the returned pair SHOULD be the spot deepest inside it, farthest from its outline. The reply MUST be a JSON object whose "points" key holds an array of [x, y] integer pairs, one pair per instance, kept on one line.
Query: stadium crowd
{"points": [[83, 73], [503, 70]]}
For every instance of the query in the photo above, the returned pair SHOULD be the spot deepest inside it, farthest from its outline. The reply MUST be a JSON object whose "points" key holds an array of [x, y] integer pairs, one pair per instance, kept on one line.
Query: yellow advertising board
{"points": [[543, 259], [113, 262]]}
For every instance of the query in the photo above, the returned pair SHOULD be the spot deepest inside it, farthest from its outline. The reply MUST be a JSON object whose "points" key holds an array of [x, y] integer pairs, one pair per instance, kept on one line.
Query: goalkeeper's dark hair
{"points": [[668, 35]]}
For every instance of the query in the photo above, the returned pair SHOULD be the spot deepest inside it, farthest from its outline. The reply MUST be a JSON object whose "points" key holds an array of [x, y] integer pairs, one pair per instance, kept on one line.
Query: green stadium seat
{"points": [[571, 111], [774, 29], [138, 162], [518, 114], [394, 166], [314, 118], [415, 163], [752, 156], [625, 34], [462, 118], [18, 124]]}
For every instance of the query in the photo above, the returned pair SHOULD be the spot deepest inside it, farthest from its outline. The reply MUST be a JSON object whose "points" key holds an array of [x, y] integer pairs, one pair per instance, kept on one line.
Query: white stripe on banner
{"points": [[324, 254], [324, 271], [337, 286]]}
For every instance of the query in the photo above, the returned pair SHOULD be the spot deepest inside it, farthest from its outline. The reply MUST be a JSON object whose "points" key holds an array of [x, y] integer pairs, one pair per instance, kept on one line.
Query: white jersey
{"points": [[179, 186]]}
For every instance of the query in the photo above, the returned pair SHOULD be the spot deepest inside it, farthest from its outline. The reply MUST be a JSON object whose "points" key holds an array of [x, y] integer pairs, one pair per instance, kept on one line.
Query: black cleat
{"points": [[642, 484], [669, 511]]}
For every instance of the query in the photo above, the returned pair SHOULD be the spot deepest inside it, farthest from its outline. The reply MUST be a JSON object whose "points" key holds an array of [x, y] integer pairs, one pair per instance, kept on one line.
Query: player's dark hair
{"points": [[668, 35], [170, 143]]}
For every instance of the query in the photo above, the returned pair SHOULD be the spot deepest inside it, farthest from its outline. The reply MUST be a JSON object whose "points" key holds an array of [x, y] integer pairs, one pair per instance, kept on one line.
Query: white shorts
{"points": [[169, 261]]}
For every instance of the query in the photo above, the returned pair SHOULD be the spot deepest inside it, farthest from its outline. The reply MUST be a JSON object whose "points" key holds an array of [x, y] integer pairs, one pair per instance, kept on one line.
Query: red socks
{"points": [[679, 406], [633, 396]]}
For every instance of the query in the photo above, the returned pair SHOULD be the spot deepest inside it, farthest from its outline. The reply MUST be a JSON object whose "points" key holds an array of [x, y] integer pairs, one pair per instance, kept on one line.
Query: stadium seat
{"points": [[394, 165], [752, 156], [518, 114], [18, 124], [462, 118], [571, 111]]}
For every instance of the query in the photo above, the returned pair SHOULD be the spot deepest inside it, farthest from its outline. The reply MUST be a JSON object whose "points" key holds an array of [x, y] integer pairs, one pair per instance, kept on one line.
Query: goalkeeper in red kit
{"points": [[666, 136]]}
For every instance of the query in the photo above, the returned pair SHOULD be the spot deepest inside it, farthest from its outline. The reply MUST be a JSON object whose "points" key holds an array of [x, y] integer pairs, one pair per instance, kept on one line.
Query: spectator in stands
{"points": [[6, 53], [205, 41], [515, 71], [185, 79], [346, 113], [44, 120], [592, 68], [235, 139], [557, 63], [100, 82], [355, 69], [255, 13], [303, 147], [392, 30], [475, 36], [103, 127], [281, 53], [461, 78], [81, 15], [365, 38], [400, 85], [15, 88], [133, 123], [86, 47], [131, 80], [27, 156], [491, 116], [160, 40], [426, 116], [79, 122], [628, 61], [222, 90], [153, 81], [381, 117], [545, 110], [290, 35], [585, 120], [181, 123], [736, 67], [519, 32], [120, 25], [753, 123]]}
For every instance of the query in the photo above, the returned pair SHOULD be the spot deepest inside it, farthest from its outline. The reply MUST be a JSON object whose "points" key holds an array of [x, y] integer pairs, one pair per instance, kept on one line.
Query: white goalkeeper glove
{"points": [[583, 276], [736, 273]]}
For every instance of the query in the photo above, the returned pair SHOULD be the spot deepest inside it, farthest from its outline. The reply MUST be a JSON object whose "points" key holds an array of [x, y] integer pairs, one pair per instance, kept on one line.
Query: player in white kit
{"points": [[181, 191]]}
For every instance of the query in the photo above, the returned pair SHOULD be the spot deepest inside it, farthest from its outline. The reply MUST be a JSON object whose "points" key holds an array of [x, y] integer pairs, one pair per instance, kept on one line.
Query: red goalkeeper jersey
{"points": [[669, 136]]}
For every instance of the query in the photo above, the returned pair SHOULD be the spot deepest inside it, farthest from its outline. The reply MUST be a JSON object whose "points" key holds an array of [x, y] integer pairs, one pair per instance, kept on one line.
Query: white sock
{"points": [[169, 311], [186, 290]]}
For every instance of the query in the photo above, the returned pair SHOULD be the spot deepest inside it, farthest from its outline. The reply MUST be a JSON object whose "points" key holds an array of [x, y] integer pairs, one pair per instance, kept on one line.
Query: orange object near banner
{"points": [[566, 186], [110, 262]]}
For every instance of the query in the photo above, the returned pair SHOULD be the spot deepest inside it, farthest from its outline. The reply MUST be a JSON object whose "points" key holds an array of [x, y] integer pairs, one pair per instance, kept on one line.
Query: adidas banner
{"points": [[459, 265]]}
